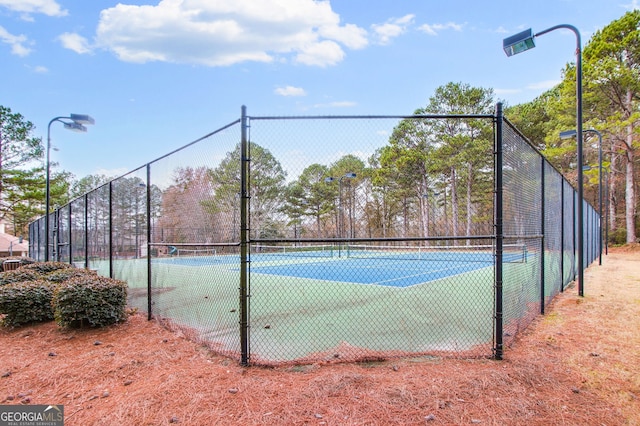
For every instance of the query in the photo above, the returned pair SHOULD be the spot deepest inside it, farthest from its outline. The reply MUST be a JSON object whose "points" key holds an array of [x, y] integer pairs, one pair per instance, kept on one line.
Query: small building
{"points": [[11, 245]]}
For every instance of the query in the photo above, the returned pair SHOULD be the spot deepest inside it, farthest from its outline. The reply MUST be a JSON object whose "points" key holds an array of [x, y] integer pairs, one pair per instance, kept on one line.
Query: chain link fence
{"points": [[303, 239]]}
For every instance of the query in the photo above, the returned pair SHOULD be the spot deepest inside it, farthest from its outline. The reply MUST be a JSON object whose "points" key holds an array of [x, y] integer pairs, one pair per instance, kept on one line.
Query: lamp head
{"points": [[82, 119], [329, 179], [350, 175], [518, 43], [568, 134], [75, 127]]}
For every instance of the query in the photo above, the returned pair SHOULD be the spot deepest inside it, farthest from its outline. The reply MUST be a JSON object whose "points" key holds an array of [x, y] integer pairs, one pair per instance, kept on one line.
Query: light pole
{"points": [[572, 133], [524, 41], [349, 175], [77, 125]]}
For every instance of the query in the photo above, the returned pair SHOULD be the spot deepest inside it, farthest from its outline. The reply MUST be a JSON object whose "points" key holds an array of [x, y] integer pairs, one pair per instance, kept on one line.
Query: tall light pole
{"points": [[77, 124], [572, 133], [522, 41], [349, 175]]}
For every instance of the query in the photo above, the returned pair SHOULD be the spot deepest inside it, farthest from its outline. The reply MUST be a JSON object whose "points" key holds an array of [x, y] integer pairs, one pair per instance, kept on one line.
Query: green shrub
{"points": [[18, 275], [26, 302], [61, 275], [90, 300], [618, 237], [46, 267]]}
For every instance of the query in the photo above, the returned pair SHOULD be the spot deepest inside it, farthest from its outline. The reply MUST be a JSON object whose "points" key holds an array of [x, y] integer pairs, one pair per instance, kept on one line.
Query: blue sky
{"points": [[156, 75]]}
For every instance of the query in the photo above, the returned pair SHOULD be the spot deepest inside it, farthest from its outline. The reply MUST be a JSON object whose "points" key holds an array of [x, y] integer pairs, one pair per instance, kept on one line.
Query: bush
{"points": [[46, 267], [618, 237], [18, 275], [61, 275], [90, 300], [26, 302]]}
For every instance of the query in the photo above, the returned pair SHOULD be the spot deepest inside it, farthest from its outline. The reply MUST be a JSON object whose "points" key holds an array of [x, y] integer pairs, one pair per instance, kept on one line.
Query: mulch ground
{"points": [[577, 365]]}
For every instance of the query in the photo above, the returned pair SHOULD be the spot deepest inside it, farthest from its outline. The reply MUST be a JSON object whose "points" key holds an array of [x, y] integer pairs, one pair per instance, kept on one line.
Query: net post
{"points": [[498, 218], [244, 265]]}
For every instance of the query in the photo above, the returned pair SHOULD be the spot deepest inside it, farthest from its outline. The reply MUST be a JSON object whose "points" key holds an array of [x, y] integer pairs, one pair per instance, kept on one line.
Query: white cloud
{"points": [[227, 32], [39, 69], [75, 42], [350, 35], [321, 54], [47, 7], [434, 29], [290, 91], [392, 28], [17, 42]]}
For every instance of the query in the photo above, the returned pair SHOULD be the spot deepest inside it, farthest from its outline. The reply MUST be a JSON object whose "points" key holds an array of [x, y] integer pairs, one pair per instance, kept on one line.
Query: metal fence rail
{"points": [[302, 239]]}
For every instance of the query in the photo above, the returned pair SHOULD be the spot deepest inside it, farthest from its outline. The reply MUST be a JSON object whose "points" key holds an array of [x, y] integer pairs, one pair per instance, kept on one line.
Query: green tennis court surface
{"points": [[306, 300]]}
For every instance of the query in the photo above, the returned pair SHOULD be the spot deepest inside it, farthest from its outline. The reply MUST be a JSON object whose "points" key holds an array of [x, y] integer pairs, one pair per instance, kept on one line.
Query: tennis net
{"points": [[293, 251], [195, 252], [515, 253]]}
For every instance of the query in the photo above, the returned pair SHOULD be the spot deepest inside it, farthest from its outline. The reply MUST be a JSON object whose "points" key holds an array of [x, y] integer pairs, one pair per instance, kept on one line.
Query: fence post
{"points": [[575, 235], [244, 264], [56, 235], [86, 230], [542, 231], [111, 229], [149, 316], [70, 234], [562, 247], [498, 315]]}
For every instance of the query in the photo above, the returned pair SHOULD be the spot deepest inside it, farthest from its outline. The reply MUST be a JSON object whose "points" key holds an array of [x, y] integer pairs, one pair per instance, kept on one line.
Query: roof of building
{"points": [[10, 242]]}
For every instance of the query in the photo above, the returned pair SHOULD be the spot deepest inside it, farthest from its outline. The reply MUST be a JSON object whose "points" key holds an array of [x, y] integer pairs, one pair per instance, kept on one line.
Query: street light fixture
{"points": [[567, 134], [518, 43], [524, 41], [77, 124]]}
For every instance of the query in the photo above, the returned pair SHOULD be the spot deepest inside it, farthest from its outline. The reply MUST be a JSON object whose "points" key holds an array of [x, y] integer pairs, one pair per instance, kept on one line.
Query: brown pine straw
{"points": [[577, 365]]}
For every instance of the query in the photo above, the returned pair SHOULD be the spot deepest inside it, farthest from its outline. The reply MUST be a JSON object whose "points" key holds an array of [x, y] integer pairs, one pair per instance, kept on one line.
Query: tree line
{"points": [[431, 178]]}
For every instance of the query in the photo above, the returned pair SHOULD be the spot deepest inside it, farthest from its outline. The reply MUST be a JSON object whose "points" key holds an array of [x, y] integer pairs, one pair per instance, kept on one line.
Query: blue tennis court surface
{"points": [[385, 266], [385, 273]]}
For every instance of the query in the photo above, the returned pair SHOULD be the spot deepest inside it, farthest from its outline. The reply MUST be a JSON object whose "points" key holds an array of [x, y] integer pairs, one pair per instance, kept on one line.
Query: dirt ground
{"points": [[577, 365]]}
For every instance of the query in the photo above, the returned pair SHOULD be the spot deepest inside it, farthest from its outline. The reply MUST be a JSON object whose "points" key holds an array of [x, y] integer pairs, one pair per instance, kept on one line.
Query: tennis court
{"points": [[329, 293], [391, 266], [398, 272]]}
